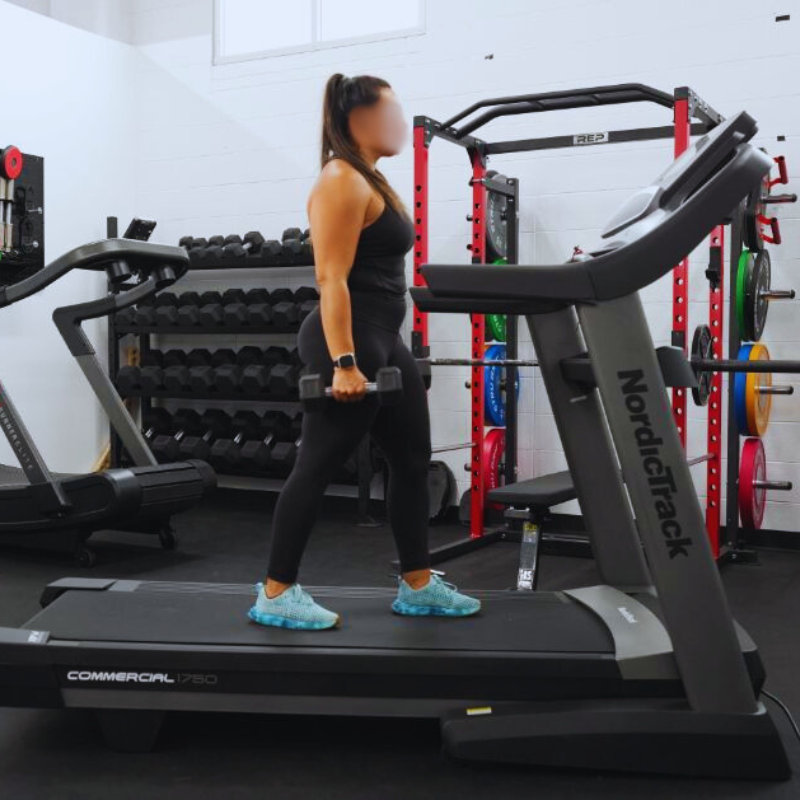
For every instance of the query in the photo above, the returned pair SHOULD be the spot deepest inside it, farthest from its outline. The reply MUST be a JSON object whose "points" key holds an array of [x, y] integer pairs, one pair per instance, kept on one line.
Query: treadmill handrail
{"points": [[140, 256], [627, 268], [558, 101]]}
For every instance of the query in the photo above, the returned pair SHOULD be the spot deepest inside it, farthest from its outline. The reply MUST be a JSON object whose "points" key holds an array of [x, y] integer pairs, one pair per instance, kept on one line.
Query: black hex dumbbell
{"points": [[271, 252], [256, 454], [227, 453], [201, 378], [128, 381], [279, 424], [259, 308], [155, 422], [214, 423], [388, 387], [251, 246], [284, 455], [228, 377], [283, 379], [210, 304], [166, 447]]}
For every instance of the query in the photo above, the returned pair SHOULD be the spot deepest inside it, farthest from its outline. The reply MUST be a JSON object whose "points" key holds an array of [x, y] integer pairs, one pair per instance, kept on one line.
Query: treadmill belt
{"points": [[206, 614]]}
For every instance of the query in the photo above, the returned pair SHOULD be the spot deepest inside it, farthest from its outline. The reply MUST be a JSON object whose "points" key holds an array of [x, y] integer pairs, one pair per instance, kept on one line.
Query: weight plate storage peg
{"points": [[494, 448], [702, 347], [494, 386]]}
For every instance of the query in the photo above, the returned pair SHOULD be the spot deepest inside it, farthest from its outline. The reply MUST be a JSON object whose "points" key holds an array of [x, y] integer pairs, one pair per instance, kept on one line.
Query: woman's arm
{"points": [[337, 210]]}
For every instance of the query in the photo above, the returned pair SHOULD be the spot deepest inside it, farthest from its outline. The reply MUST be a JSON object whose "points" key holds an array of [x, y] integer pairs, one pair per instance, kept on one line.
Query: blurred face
{"points": [[380, 130]]}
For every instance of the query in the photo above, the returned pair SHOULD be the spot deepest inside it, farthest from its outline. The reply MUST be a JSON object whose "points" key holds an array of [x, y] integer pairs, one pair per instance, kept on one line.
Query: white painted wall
{"points": [[109, 18], [70, 103], [234, 147]]}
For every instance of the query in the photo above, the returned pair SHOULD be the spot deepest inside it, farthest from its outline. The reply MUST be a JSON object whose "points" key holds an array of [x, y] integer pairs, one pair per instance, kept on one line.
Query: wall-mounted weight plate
{"points": [[752, 468], [496, 323], [756, 305], [496, 327], [494, 390], [496, 227], [758, 404], [740, 391], [746, 260], [702, 347], [494, 448]]}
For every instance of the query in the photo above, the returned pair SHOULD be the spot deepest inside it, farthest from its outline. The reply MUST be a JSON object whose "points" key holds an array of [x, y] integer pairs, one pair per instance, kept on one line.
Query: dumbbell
{"points": [[256, 454], [283, 456], [166, 447], [297, 425], [189, 309], [125, 318], [254, 377], [211, 252], [154, 366], [228, 377], [307, 299], [227, 453], [283, 379], [210, 304], [156, 421], [236, 248], [190, 243], [214, 423], [167, 307], [234, 309], [271, 251], [128, 380], [178, 373], [388, 387], [201, 378], [279, 424], [258, 308]]}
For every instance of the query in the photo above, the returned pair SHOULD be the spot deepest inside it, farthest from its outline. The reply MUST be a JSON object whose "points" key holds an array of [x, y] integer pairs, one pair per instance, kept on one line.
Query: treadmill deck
{"points": [[216, 615]]}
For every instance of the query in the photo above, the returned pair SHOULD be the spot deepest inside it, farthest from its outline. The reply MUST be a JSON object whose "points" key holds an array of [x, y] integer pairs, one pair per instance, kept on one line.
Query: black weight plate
{"points": [[756, 305], [702, 348], [496, 230]]}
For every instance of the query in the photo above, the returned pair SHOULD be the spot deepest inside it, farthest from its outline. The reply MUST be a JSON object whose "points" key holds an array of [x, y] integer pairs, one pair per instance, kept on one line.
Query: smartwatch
{"points": [[345, 361]]}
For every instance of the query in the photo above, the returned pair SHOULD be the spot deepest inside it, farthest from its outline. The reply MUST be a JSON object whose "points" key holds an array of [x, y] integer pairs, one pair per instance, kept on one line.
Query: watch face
{"points": [[347, 361], [496, 231]]}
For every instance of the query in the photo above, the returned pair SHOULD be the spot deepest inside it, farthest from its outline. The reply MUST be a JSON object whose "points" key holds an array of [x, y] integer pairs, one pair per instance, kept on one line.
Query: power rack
{"points": [[692, 116]]}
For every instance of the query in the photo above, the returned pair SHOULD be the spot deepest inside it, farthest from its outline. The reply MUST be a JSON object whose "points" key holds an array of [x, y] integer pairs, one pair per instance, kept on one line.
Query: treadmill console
{"points": [[645, 209]]}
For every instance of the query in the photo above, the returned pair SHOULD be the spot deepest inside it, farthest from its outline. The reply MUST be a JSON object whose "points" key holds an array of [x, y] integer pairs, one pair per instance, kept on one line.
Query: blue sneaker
{"points": [[437, 599], [294, 609]]}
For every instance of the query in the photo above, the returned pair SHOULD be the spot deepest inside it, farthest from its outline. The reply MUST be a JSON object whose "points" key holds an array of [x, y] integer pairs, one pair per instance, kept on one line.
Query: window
{"points": [[248, 29]]}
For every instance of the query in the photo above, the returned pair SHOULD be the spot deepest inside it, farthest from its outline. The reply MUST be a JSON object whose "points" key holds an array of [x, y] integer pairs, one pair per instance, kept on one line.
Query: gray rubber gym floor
{"points": [[50, 754]]}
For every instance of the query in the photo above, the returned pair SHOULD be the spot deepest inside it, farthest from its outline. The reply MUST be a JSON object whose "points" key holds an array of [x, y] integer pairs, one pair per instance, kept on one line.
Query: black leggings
{"points": [[329, 437]]}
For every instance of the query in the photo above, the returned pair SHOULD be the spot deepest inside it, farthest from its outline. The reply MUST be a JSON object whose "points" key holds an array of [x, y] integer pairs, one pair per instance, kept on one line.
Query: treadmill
{"points": [[39, 508], [646, 672]]}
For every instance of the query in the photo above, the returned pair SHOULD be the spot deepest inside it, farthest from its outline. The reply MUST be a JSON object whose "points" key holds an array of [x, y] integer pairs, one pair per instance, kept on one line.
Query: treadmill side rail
{"points": [[642, 644]]}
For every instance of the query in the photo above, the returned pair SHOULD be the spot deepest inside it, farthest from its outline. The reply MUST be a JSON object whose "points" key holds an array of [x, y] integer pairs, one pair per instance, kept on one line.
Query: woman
{"points": [[361, 236]]}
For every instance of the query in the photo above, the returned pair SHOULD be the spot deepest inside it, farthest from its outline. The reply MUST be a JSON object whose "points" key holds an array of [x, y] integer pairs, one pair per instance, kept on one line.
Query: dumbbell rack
{"points": [[116, 331]]}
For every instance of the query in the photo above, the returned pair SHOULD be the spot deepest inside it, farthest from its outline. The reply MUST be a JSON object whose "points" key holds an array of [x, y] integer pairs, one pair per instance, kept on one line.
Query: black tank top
{"points": [[377, 280]]}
